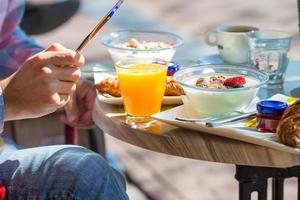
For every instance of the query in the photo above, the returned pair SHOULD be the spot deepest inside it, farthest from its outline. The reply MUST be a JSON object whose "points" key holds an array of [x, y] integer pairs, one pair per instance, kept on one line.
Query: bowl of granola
{"points": [[216, 90], [141, 44]]}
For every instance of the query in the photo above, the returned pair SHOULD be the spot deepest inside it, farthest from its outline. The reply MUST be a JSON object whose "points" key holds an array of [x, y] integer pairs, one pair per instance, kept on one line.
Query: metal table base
{"points": [[255, 179]]}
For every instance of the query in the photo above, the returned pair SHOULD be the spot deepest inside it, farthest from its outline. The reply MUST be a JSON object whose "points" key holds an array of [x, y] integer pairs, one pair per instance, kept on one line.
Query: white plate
{"points": [[236, 130], [119, 101], [99, 76]]}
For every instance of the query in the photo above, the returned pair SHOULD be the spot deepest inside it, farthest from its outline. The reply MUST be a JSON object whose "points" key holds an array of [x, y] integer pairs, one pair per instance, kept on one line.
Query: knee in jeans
{"points": [[79, 160]]}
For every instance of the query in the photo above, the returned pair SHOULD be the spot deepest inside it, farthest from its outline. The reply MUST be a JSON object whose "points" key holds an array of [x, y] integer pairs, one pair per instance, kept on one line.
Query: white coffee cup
{"points": [[231, 42]]}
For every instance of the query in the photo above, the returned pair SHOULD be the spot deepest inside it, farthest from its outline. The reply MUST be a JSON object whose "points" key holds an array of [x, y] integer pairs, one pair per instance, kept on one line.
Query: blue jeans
{"points": [[58, 172]]}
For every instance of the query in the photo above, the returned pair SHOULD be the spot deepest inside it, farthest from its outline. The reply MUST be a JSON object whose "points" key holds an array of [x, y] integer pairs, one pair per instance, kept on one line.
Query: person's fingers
{"points": [[62, 87], [87, 94], [64, 99], [91, 96], [64, 73], [59, 100], [64, 58], [55, 47], [71, 110], [84, 121]]}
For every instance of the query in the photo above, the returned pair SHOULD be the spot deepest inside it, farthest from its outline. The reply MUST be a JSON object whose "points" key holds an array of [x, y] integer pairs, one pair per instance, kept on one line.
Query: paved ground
{"points": [[165, 177]]}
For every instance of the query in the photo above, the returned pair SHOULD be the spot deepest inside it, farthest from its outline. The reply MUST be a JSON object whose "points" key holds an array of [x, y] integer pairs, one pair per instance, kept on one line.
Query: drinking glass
{"points": [[269, 53], [142, 85]]}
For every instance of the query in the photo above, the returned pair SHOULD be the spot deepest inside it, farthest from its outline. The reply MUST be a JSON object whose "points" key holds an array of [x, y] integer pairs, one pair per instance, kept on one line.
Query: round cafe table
{"points": [[254, 164]]}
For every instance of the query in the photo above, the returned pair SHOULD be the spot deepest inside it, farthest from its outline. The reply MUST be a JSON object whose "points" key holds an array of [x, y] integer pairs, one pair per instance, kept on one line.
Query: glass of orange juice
{"points": [[142, 85]]}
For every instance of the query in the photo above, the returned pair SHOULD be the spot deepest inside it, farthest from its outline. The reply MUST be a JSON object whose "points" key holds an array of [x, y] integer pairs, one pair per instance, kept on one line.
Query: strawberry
{"points": [[235, 81]]}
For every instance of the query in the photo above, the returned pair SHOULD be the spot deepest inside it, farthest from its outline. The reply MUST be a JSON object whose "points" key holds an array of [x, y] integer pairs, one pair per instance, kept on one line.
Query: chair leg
{"points": [[97, 141], [93, 140], [71, 135]]}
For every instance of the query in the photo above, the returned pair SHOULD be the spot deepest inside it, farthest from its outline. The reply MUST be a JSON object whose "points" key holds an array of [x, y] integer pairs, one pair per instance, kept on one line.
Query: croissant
{"points": [[111, 86], [173, 88], [288, 129], [292, 110]]}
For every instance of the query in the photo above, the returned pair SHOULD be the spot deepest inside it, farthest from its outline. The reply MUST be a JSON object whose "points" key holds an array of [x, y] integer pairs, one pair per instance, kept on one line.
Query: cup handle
{"points": [[210, 38]]}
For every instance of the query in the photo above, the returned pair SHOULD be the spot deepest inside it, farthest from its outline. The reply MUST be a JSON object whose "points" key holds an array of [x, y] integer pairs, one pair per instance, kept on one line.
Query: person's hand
{"points": [[43, 84], [78, 111]]}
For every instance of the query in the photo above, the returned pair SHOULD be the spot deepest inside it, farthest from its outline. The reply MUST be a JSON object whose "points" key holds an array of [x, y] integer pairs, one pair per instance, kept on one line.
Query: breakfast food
{"points": [[288, 130], [110, 86], [269, 113], [204, 93], [221, 82], [173, 88], [292, 110], [143, 45], [207, 99]]}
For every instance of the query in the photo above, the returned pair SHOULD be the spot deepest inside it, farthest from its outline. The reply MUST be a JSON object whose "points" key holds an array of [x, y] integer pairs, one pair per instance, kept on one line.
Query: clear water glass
{"points": [[269, 53]]}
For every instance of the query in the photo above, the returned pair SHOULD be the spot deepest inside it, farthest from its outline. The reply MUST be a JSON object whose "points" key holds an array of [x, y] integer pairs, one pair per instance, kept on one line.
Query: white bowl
{"points": [[113, 40], [218, 102]]}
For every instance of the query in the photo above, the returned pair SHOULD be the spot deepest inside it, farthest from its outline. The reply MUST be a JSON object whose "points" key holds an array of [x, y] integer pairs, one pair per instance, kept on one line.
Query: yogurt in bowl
{"points": [[216, 90]]}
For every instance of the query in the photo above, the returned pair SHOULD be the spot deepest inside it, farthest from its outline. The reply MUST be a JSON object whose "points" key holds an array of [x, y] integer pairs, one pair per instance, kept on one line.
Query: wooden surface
{"points": [[175, 141]]}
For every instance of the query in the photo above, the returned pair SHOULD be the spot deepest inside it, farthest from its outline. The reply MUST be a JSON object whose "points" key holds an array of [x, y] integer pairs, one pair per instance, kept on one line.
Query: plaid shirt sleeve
{"points": [[1, 111], [19, 48], [15, 45]]}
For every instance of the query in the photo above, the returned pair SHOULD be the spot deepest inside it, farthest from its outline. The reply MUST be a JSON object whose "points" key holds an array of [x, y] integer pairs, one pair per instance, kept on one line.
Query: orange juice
{"points": [[142, 88]]}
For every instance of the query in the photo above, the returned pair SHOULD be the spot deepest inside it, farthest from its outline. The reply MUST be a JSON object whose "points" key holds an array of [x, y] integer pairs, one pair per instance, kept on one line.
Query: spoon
{"points": [[230, 119], [99, 26], [212, 122]]}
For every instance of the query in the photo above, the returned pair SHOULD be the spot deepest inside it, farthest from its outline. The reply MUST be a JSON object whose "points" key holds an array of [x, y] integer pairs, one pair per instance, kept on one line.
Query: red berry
{"points": [[233, 81]]}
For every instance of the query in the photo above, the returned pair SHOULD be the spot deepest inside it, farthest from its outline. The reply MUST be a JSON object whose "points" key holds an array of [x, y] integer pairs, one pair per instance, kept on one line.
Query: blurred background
{"points": [[152, 175]]}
